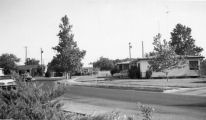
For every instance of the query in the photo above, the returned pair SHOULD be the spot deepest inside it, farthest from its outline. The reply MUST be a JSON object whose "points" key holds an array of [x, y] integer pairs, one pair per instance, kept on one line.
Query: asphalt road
{"points": [[167, 106], [192, 107]]}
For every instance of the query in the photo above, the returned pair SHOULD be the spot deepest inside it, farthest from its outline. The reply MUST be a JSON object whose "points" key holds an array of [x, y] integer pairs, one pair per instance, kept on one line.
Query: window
{"points": [[193, 65]]}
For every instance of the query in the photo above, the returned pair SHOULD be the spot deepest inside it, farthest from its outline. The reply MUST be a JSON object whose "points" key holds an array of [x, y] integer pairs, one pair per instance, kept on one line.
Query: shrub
{"points": [[148, 74], [203, 67], [47, 74], [134, 72], [105, 116], [30, 102], [114, 70], [146, 111]]}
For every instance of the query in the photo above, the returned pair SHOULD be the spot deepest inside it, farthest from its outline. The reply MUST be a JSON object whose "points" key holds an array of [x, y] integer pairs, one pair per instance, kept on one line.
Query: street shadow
{"points": [[201, 105], [199, 82]]}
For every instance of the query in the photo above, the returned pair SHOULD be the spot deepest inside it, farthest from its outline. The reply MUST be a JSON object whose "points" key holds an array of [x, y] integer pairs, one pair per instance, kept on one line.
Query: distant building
{"points": [[31, 69], [122, 66], [87, 70]]}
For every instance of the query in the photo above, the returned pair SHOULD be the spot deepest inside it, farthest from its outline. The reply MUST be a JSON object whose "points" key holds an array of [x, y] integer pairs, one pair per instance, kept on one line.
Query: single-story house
{"points": [[191, 68], [31, 69], [122, 66], [87, 70]]}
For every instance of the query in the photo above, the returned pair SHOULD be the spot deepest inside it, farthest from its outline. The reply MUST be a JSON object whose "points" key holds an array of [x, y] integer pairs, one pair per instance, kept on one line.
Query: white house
{"points": [[190, 69], [1, 72]]}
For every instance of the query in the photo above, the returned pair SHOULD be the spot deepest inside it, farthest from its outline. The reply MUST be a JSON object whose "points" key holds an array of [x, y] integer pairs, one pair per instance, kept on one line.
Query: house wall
{"points": [[1, 72], [144, 65], [183, 71]]}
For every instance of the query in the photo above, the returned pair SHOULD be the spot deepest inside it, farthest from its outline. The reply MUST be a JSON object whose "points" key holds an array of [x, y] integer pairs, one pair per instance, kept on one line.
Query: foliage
{"points": [[30, 102], [105, 116], [69, 56], [8, 62], [103, 64], [31, 61], [148, 74], [146, 111], [134, 72], [114, 70], [55, 65], [40, 70], [150, 54], [183, 42], [165, 57], [47, 74], [203, 67]]}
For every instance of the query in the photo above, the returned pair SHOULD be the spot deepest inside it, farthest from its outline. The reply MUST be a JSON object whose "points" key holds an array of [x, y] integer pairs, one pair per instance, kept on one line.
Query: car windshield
{"points": [[5, 77]]}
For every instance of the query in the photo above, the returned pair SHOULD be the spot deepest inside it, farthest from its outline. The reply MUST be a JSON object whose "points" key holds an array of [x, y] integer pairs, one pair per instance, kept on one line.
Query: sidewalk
{"points": [[188, 91]]}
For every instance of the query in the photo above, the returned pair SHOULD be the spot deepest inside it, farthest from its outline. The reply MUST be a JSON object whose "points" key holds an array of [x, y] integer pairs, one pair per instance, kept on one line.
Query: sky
{"points": [[101, 27]]}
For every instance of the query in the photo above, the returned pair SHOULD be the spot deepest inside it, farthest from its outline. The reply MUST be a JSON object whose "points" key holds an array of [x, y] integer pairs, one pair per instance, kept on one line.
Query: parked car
{"points": [[7, 82]]}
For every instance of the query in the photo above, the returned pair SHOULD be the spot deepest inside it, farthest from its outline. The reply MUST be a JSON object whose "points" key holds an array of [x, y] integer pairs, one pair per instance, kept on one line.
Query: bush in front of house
{"points": [[47, 74], [114, 70], [203, 67], [148, 74], [134, 72]]}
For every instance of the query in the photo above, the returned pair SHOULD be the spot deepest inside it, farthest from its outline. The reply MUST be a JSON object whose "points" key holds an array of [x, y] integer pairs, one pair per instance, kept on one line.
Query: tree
{"points": [[164, 57], [183, 42], [104, 64], [8, 62], [55, 65], [68, 54], [31, 61]]}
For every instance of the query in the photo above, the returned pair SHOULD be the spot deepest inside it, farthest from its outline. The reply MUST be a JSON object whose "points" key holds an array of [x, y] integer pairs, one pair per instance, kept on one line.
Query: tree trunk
{"points": [[167, 76], [66, 75]]}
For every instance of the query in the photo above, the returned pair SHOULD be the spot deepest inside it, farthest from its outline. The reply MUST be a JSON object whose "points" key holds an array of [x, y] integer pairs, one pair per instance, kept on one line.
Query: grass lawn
{"points": [[176, 82]]}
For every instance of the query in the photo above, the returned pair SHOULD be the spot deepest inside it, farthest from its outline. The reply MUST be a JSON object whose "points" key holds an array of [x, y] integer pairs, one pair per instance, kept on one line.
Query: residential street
{"points": [[167, 106]]}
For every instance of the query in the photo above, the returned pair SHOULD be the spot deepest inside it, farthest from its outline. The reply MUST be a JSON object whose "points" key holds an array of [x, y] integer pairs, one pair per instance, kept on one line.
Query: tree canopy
{"points": [[104, 64], [183, 42], [8, 62], [31, 61], [68, 55], [164, 56]]}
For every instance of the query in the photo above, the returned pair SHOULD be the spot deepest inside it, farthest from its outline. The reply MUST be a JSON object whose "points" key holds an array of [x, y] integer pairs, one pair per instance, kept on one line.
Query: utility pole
{"points": [[130, 46], [25, 53], [142, 49], [41, 63], [41, 55], [167, 21]]}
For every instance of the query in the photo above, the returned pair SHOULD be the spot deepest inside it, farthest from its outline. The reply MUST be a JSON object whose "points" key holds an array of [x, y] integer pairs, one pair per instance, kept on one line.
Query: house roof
{"points": [[194, 57], [187, 57], [27, 67], [125, 62]]}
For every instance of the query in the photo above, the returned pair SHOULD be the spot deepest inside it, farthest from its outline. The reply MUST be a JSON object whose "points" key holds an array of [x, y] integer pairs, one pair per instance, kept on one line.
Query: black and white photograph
{"points": [[102, 60]]}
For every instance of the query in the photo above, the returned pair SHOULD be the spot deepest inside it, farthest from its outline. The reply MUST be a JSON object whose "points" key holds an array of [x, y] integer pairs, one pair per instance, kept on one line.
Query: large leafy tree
{"points": [[104, 64], [164, 57], [68, 53], [31, 61], [8, 62], [183, 42]]}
